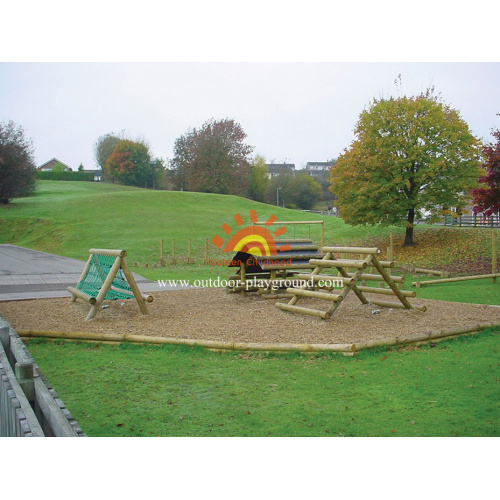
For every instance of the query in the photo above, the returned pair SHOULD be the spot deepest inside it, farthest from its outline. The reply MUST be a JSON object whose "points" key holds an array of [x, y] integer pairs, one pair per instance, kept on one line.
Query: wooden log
{"points": [[316, 295], [292, 240], [418, 284], [135, 289], [384, 291], [303, 310], [357, 264], [294, 248], [283, 256], [391, 283], [363, 250], [287, 266], [81, 295], [427, 271], [108, 252], [377, 277], [396, 305], [325, 278]]}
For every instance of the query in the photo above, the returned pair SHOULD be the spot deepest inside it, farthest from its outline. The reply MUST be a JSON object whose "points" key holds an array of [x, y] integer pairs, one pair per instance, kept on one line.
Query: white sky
{"points": [[293, 112], [57, 82]]}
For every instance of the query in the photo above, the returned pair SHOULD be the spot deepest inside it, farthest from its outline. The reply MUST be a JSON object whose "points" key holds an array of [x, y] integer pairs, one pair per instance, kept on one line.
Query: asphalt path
{"points": [[30, 274]]}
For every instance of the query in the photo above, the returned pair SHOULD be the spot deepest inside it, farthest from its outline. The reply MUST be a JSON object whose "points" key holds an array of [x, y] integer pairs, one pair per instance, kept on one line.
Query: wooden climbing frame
{"points": [[351, 272], [106, 275]]}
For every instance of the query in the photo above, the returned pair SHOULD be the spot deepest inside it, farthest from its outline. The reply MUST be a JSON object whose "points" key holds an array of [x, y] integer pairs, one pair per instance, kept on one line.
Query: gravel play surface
{"points": [[212, 314]]}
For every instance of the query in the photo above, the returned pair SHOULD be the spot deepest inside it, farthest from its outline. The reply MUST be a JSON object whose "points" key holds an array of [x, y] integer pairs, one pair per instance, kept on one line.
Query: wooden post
{"points": [[205, 260], [163, 262], [494, 254], [322, 236], [174, 261]]}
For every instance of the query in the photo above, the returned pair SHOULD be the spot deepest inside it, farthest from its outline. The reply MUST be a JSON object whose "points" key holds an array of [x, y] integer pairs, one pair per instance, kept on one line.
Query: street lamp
{"points": [[277, 197]]}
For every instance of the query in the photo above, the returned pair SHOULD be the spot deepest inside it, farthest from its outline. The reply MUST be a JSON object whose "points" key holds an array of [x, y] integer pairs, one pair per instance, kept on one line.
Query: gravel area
{"points": [[214, 315]]}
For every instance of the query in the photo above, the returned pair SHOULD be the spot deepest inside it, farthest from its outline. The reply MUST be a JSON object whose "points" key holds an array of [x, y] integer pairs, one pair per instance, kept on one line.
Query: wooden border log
{"points": [[268, 295], [81, 295], [303, 310], [313, 294], [418, 284], [108, 252], [384, 291], [364, 250], [396, 305]]}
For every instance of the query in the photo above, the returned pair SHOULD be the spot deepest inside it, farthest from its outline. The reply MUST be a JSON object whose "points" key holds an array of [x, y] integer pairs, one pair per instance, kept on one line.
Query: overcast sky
{"points": [[293, 112]]}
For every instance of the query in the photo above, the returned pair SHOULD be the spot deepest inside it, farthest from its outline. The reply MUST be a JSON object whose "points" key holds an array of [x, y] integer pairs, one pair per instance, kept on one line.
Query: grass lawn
{"points": [[451, 389]]}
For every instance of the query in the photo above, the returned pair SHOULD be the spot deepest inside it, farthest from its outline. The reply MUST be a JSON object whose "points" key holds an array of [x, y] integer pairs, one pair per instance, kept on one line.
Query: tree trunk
{"points": [[409, 228]]}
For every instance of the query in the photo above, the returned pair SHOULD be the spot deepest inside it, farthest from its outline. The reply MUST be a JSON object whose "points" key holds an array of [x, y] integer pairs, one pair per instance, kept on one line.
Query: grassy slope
{"points": [[68, 218], [128, 390]]}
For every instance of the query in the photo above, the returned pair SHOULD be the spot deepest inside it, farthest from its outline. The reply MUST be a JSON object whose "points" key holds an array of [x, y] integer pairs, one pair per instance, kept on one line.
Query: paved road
{"points": [[30, 274]]}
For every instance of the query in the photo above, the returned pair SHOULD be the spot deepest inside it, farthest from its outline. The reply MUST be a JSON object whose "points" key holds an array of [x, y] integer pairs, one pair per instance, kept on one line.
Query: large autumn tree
{"points": [[487, 197], [213, 159], [131, 163], [410, 154], [17, 163]]}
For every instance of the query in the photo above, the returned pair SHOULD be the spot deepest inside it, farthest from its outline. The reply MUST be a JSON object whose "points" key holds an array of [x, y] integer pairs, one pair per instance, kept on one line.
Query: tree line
{"points": [[410, 155]]}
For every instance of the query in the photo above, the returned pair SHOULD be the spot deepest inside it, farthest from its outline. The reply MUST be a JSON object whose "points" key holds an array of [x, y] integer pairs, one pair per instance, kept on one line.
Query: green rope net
{"points": [[98, 270]]}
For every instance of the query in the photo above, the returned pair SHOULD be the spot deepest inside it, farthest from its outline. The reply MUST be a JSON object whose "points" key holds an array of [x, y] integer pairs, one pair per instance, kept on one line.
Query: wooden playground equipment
{"points": [[106, 276], [351, 275], [269, 273]]}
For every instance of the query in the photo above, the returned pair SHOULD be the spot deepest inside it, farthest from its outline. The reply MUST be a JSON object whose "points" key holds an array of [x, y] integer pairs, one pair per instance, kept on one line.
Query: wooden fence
{"points": [[472, 221], [29, 406]]}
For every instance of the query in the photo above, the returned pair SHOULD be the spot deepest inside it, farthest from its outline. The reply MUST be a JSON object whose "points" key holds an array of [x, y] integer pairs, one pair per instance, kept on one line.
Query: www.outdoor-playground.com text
{"points": [[251, 283]]}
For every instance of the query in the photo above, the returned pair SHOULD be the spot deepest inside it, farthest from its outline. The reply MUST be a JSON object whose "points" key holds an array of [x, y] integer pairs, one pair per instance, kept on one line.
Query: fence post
{"points": [[205, 260], [163, 261], [494, 254], [173, 252], [5, 338], [189, 260], [24, 375]]}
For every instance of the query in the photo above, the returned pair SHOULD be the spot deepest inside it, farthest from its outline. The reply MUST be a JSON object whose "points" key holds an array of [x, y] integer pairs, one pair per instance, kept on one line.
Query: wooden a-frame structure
{"points": [[106, 275], [350, 280]]}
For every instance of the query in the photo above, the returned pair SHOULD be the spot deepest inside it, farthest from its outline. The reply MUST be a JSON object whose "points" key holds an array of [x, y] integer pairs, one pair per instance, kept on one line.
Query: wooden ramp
{"points": [[350, 275]]}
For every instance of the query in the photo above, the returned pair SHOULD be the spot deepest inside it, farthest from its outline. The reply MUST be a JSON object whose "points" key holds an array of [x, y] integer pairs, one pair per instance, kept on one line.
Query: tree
{"points": [[213, 159], [487, 199], [259, 181], [294, 191], [17, 163], [131, 163], [410, 154], [103, 148]]}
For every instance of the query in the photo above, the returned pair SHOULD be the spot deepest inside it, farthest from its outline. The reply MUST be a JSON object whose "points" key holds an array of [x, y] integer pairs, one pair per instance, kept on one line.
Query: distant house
{"points": [[48, 166], [317, 167], [276, 169]]}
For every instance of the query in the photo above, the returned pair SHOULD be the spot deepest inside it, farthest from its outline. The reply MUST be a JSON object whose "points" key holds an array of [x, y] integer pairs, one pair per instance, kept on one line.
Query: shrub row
{"points": [[66, 176]]}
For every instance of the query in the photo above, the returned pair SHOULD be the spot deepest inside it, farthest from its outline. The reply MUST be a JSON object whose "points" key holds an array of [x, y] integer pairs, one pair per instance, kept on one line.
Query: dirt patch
{"points": [[211, 314]]}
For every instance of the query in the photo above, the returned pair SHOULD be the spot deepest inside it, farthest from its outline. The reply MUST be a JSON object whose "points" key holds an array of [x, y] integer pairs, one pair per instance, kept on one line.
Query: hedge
{"points": [[65, 176]]}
